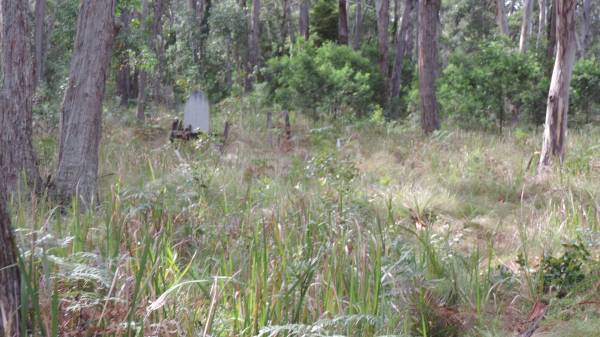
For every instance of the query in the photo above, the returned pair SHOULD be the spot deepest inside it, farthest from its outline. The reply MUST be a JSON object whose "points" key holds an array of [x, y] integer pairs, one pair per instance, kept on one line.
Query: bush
{"points": [[585, 87], [474, 87], [321, 81], [324, 21]]}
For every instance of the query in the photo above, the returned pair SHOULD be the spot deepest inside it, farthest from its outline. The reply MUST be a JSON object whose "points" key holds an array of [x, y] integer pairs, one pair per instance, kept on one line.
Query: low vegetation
{"points": [[363, 229]]}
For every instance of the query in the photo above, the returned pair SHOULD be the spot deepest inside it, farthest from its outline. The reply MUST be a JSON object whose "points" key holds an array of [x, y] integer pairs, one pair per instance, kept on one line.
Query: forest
{"points": [[309, 168]]}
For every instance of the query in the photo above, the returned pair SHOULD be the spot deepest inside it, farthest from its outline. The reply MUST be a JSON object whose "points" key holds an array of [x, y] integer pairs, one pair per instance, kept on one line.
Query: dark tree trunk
{"points": [[586, 25], [161, 90], [403, 39], [304, 19], [383, 20], [501, 20], [81, 119], [542, 21], [124, 72], [141, 99], [358, 21], [342, 22], [197, 9], [253, 44], [40, 41], [10, 284], [288, 26], [526, 25], [428, 62], [142, 77], [124, 83], [558, 97], [255, 34], [16, 149]]}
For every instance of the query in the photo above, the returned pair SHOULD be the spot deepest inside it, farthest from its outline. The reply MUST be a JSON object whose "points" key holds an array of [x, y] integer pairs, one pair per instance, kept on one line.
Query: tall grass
{"points": [[357, 230]]}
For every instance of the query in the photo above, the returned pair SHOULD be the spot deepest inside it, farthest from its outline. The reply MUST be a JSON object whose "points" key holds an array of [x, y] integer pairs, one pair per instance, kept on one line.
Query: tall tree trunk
{"points": [[81, 119], [501, 17], [342, 22], [287, 20], [10, 282], [429, 11], [142, 77], [402, 42], [124, 72], [16, 149], [552, 28], [383, 20], [558, 97], [358, 21], [526, 25], [141, 99], [197, 9], [586, 25], [162, 91], [543, 8], [40, 41], [304, 19], [254, 39]]}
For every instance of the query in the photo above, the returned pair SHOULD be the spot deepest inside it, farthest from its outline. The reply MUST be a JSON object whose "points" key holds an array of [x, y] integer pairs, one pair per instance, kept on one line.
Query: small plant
{"points": [[562, 273]]}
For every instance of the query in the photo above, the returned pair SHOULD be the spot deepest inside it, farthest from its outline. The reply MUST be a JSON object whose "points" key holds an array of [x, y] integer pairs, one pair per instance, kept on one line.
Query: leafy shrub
{"points": [[324, 80], [585, 87], [474, 88], [564, 272]]}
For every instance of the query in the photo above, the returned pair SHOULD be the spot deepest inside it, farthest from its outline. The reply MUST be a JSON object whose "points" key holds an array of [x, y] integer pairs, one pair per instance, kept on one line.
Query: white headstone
{"points": [[197, 112]]}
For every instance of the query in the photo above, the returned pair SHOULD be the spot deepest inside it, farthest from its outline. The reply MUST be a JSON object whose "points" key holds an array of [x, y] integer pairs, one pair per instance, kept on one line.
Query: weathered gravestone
{"points": [[196, 118], [197, 113]]}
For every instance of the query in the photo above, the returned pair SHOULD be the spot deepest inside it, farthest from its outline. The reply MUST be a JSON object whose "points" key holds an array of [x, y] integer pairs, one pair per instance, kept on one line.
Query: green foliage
{"points": [[324, 20], [321, 81], [562, 273], [585, 87], [475, 87], [332, 169], [468, 22], [61, 39]]}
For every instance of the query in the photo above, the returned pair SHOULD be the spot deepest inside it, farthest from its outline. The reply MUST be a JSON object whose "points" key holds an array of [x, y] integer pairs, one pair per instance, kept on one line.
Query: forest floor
{"points": [[363, 229]]}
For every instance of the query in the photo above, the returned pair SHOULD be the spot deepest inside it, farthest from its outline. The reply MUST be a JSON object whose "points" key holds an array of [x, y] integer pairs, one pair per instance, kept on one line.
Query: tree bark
{"points": [[428, 62], [304, 19], [358, 21], [161, 90], [526, 26], [40, 41], [287, 20], [124, 72], [402, 42], [16, 149], [81, 119], [10, 289], [501, 17], [552, 27], [542, 22], [141, 99], [557, 109], [254, 43], [383, 20], [342, 22], [142, 77], [586, 24]]}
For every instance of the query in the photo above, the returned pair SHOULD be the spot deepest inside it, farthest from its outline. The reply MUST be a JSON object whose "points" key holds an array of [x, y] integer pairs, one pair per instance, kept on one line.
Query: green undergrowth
{"points": [[355, 229]]}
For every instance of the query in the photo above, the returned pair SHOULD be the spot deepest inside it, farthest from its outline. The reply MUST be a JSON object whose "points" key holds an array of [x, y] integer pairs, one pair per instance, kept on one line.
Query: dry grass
{"points": [[358, 229]]}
